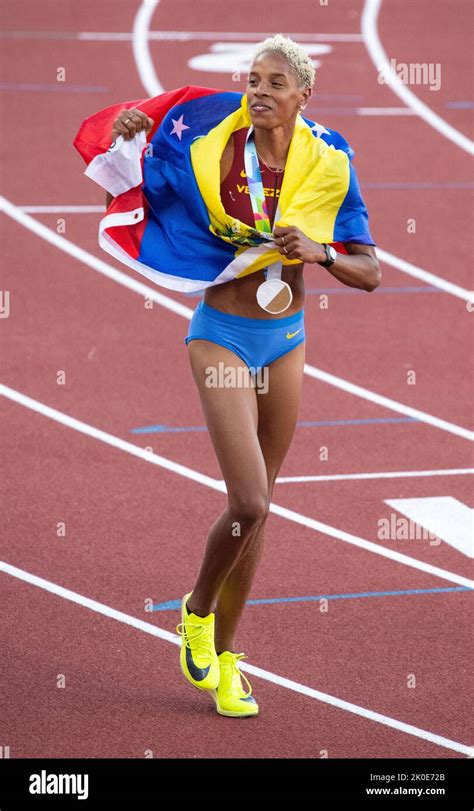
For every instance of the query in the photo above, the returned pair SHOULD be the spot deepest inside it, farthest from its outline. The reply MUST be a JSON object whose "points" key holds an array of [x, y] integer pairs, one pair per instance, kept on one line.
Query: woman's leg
{"points": [[232, 417], [277, 416]]}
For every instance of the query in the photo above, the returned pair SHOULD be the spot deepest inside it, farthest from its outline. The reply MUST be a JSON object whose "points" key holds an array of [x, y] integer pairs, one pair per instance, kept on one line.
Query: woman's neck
{"points": [[273, 145]]}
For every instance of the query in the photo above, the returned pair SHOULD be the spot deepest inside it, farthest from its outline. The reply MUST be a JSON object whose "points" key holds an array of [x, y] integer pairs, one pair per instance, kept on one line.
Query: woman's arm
{"points": [[360, 268]]}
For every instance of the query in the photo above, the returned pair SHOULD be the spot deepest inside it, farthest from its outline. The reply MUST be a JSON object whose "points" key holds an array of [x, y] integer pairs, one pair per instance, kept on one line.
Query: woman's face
{"points": [[273, 84]]}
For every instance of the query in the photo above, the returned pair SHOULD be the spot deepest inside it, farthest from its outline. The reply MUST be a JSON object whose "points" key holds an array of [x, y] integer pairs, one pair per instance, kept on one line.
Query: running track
{"points": [[136, 506]]}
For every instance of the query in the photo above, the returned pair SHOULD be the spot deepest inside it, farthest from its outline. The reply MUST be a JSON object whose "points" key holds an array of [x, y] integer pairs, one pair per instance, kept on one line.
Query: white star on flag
{"points": [[179, 127], [319, 129]]}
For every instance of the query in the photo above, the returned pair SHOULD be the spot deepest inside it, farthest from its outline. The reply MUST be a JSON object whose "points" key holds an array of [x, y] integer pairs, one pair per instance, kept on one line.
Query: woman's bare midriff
{"points": [[239, 296]]}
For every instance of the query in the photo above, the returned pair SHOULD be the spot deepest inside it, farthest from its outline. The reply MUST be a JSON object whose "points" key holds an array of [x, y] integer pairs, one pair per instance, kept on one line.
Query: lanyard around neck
{"points": [[256, 192], [257, 200]]}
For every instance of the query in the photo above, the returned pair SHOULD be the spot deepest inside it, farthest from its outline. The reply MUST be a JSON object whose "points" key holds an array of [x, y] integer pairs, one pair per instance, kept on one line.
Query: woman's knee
{"points": [[249, 508]]}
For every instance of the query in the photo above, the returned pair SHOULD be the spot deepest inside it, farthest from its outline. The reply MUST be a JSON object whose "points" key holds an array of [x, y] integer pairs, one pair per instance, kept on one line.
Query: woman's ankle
{"points": [[197, 612], [223, 648]]}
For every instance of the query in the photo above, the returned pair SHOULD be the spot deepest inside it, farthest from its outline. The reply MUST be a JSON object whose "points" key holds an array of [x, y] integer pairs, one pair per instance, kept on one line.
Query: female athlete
{"points": [[250, 429]]}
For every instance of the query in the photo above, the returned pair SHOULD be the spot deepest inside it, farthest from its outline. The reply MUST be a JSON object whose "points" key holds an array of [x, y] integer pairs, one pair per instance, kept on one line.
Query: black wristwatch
{"points": [[331, 255]]}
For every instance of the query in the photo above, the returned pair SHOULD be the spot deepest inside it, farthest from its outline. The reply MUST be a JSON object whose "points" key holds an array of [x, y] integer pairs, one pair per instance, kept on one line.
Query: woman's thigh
{"points": [[278, 407], [231, 414]]}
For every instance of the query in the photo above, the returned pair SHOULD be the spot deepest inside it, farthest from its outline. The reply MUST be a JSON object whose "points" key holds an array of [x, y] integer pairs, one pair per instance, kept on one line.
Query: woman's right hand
{"points": [[129, 122]]}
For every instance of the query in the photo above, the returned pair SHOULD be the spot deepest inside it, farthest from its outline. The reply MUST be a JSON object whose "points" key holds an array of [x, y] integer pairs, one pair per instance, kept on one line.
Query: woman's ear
{"points": [[307, 97]]}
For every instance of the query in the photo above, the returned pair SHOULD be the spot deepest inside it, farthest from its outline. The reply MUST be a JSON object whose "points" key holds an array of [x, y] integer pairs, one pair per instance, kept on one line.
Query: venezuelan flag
{"points": [[167, 220]]}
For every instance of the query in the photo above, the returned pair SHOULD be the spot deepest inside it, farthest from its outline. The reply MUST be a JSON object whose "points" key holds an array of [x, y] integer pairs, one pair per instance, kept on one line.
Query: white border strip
{"points": [[216, 484], [180, 309], [266, 675], [382, 65]]}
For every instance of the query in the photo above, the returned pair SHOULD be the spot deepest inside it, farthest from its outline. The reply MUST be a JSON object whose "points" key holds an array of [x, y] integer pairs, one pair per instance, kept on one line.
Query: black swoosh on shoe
{"points": [[198, 673]]}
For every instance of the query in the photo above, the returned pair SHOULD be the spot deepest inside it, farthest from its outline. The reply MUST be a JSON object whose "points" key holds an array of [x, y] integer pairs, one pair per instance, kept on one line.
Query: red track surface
{"points": [[137, 531]]}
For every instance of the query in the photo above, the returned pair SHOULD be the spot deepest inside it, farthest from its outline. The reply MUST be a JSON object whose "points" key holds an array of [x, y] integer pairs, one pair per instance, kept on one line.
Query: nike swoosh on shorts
{"points": [[292, 334]]}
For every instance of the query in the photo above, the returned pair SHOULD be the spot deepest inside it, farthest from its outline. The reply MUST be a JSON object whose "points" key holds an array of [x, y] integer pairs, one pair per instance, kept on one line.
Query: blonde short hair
{"points": [[295, 55]]}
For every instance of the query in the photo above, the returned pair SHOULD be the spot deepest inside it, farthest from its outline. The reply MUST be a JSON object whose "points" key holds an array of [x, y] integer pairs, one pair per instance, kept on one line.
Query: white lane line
{"points": [[384, 256], [180, 309], [215, 36], [216, 484], [266, 675], [93, 605], [398, 474], [382, 65], [92, 261], [425, 276], [141, 47], [110, 439]]}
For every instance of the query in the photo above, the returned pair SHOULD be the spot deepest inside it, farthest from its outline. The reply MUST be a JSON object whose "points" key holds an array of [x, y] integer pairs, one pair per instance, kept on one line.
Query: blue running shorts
{"points": [[257, 341]]}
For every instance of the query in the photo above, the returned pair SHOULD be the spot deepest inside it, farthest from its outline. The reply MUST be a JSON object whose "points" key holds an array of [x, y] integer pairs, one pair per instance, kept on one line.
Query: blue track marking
{"points": [[463, 104], [165, 429], [172, 605], [345, 291]]}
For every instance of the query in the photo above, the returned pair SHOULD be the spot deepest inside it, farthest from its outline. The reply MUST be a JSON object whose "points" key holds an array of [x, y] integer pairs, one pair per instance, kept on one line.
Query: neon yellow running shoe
{"points": [[198, 657], [230, 697]]}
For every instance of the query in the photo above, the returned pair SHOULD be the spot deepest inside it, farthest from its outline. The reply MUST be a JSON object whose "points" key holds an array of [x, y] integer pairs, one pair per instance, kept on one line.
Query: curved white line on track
{"points": [[151, 84], [266, 675], [180, 309], [141, 47], [149, 79], [379, 58], [216, 484]]}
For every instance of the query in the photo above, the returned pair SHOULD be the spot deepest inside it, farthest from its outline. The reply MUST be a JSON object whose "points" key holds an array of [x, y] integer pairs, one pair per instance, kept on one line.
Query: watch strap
{"points": [[329, 260]]}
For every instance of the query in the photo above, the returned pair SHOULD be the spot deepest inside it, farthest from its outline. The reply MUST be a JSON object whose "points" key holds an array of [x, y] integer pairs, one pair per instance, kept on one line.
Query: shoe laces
{"points": [[198, 641], [237, 673]]}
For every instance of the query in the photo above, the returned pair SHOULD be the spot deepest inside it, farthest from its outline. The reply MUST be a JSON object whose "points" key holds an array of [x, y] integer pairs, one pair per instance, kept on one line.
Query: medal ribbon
{"points": [[257, 198]]}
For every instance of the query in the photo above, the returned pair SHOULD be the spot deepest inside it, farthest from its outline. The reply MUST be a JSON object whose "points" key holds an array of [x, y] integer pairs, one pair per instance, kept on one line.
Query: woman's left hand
{"points": [[295, 245]]}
